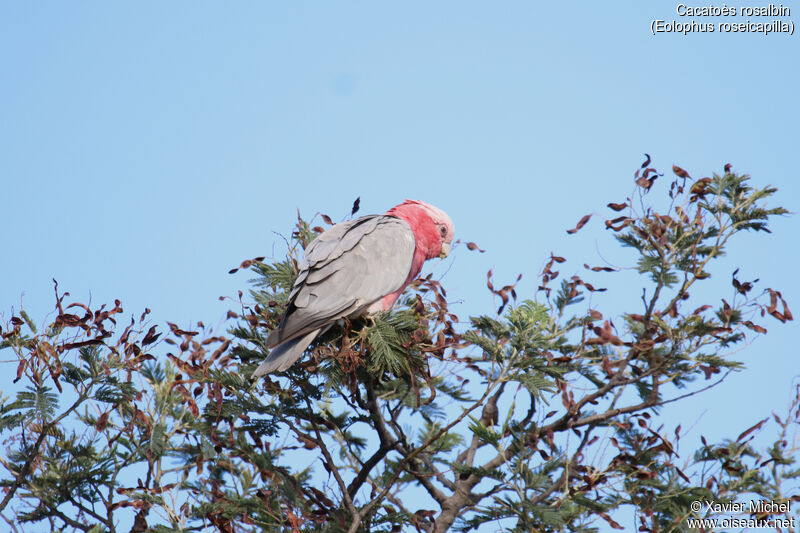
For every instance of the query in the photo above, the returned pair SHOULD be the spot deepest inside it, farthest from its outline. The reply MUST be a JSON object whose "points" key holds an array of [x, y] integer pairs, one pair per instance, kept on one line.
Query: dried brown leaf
{"points": [[679, 171], [581, 223], [751, 429]]}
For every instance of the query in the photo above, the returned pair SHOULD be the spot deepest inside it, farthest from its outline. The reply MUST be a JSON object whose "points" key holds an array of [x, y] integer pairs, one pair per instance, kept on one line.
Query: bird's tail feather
{"points": [[282, 356]]}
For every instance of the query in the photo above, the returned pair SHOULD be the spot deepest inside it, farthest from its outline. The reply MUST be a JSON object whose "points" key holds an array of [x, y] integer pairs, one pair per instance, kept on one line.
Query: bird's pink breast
{"points": [[389, 300], [427, 245], [384, 303]]}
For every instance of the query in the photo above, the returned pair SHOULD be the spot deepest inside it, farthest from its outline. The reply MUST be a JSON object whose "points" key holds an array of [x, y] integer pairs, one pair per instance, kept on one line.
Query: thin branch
{"points": [[69, 521], [387, 443], [11, 524], [88, 511], [34, 453], [333, 469]]}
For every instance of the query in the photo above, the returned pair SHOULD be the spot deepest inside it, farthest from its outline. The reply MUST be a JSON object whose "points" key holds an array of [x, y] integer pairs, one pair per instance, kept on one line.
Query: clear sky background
{"points": [[146, 148]]}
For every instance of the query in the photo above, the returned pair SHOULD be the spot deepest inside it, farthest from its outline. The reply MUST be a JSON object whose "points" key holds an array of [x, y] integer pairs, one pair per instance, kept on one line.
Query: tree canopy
{"points": [[542, 415]]}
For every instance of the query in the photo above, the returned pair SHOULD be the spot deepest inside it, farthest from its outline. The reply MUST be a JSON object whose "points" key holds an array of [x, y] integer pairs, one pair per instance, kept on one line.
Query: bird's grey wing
{"points": [[330, 245], [283, 355], [344, 270]]}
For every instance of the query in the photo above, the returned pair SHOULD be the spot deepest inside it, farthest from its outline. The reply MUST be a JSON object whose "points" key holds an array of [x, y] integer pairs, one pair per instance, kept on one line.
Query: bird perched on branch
{"points": [[354, 268]]}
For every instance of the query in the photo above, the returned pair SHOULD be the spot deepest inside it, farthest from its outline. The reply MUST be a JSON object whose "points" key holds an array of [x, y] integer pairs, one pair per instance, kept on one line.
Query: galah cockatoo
{"points": [[355, 268]]}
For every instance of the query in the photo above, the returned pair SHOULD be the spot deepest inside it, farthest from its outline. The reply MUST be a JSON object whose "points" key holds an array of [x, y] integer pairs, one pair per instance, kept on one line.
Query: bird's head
{"points": [[433, 229]]}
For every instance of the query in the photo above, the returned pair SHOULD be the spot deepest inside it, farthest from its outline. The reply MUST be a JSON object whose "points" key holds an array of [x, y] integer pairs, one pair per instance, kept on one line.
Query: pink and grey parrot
{"points": [[354, 268]]}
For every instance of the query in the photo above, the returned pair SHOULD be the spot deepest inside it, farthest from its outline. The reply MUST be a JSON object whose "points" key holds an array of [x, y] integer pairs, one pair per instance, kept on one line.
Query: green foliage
{"points": [[527, 419], [386, 338]]}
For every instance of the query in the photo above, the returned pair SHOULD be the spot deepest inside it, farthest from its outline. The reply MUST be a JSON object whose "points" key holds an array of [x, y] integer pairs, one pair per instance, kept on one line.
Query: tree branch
{"points": [[32, 455], [387, 443]]}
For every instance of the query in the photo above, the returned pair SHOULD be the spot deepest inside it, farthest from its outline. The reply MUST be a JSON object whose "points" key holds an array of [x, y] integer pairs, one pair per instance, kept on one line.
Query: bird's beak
{"points": [[445, 250]]}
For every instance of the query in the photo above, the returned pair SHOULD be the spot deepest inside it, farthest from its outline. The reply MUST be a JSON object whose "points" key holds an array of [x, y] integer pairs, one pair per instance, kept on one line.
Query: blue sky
{"points": [[146, 148]]}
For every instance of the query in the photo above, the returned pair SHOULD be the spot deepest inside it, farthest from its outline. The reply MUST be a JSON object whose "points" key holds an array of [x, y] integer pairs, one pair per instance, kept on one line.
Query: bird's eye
{"points": [[443, 231]]}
